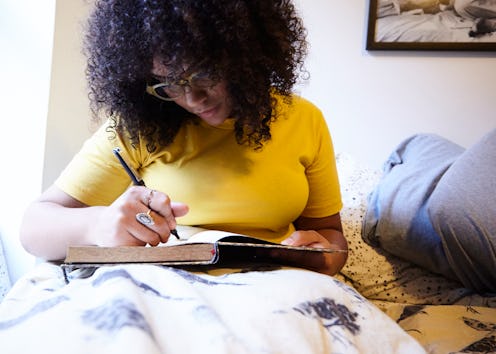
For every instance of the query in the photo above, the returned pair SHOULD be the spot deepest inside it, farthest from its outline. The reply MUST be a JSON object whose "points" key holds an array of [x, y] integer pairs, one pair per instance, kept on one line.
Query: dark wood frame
{"points": [[372, 44]]}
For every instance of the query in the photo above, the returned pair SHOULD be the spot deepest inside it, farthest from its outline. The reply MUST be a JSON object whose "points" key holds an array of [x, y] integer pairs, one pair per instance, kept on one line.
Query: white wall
{"points": [[68, 113], [372, 100], [26, 37]]}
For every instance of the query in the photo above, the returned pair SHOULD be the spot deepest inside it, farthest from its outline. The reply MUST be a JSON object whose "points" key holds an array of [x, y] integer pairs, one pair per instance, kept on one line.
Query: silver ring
{"points": [[145, 218], [149, 199]]}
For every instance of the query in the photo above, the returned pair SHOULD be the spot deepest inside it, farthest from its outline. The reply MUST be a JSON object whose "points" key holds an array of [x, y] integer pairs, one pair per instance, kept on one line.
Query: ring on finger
{"points": [[145, 218], [149, 198]]}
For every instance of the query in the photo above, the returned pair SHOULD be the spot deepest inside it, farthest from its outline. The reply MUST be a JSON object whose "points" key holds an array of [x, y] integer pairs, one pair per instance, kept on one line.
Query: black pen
{"points": [[137, 181]]}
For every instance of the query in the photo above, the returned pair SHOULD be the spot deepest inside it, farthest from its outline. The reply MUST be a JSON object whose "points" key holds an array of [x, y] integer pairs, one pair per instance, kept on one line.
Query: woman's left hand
{"points": [[327, 263]]}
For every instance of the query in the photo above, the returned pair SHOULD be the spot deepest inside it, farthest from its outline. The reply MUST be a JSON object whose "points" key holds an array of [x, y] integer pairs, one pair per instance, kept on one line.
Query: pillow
{"points": [[388, 8]]}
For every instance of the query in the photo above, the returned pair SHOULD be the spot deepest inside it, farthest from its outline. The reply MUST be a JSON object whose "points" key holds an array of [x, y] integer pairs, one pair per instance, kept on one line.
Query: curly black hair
{"points": [[256, 46]]}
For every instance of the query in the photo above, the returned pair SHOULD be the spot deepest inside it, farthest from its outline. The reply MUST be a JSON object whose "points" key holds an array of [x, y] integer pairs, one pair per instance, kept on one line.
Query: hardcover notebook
{"points": [[201, 247]]}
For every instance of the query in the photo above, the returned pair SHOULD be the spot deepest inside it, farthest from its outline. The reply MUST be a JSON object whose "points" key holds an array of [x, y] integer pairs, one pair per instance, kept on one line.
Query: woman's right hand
{"points": [[118, 225], [56, 220]]}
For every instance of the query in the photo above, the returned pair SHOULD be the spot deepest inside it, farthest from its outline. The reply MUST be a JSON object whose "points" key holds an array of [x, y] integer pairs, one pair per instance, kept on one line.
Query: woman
{"points": [[197, 97]]}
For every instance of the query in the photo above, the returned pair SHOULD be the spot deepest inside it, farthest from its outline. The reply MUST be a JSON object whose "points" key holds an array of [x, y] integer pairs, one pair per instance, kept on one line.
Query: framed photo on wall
{"points": [[432, 25]]}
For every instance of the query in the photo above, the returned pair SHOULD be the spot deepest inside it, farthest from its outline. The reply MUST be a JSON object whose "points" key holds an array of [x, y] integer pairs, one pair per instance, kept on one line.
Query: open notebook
{"points": [[201, 246]]}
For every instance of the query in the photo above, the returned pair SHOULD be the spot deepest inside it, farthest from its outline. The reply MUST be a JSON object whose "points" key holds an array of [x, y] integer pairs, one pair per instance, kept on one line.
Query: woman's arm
{"points": [[56, 220], [326, 232]]}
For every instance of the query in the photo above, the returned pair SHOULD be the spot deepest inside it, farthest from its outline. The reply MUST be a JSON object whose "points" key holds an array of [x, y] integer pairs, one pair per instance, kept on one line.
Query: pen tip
{"points": [[176, 235]]}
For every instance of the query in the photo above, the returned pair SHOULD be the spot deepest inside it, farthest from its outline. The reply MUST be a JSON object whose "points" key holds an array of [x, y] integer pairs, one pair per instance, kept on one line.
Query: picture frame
{"points": [[398, 25]]}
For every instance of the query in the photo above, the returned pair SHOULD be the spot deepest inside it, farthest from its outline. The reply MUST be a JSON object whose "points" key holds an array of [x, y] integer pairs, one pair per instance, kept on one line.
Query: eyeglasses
{"points": [[170, 90]]}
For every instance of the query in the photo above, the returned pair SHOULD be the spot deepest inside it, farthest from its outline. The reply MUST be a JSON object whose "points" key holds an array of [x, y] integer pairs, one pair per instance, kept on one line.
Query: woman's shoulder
{"points": [[295, 107], [295, 103]]}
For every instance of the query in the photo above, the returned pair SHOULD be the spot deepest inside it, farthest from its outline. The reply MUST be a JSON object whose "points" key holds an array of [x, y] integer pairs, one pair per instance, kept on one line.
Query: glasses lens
{"points": [[169, 90], [174, 89], [203, 80]]}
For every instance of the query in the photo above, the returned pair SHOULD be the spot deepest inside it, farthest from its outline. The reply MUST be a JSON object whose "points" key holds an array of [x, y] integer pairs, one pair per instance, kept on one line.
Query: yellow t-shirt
{"points": [[227, 186]]}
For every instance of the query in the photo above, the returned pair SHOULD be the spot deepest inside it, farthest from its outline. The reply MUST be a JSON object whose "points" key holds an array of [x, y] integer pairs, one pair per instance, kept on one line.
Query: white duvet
{"points": [[152, 309]]}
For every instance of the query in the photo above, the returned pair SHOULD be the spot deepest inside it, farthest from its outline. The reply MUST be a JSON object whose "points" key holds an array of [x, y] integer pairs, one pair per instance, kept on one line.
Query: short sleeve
{"points": [[95, 166], [324, 191]]}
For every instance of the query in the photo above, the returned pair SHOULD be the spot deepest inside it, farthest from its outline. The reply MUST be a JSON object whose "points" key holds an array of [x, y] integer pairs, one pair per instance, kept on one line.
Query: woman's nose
{"points": [[194, 95]]}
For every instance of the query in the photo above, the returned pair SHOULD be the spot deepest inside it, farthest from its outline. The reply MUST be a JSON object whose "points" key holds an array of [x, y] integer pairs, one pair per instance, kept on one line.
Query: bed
{"points": [[415, 25], [377, 304]]}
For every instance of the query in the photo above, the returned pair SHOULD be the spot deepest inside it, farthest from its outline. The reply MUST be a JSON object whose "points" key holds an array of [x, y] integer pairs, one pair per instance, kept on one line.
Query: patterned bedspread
{"points": [[152, 309], [378, 304]]}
